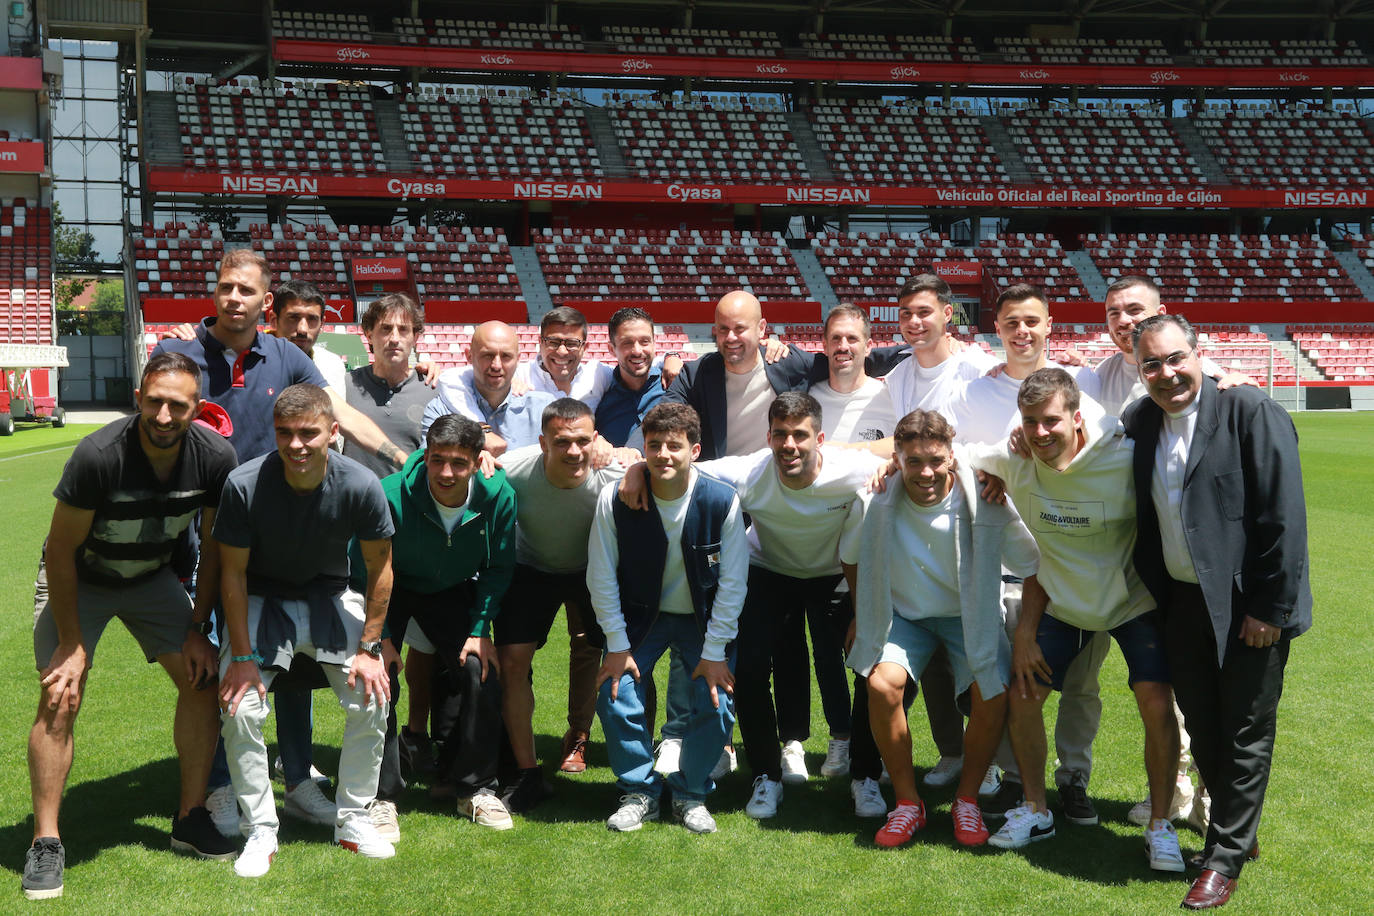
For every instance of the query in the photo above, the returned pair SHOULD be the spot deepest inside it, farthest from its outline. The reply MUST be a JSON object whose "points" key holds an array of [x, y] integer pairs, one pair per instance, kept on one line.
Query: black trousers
{"points": [[770, 657], [1230, 713], [465, 711]]}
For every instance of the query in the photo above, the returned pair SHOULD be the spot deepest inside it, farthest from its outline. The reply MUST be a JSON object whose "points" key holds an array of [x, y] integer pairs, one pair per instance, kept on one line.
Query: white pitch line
{"points": [[43, 452]]}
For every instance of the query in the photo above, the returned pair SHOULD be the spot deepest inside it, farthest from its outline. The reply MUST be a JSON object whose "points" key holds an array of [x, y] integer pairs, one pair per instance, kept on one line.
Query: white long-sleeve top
{"points": [[603, 555]]}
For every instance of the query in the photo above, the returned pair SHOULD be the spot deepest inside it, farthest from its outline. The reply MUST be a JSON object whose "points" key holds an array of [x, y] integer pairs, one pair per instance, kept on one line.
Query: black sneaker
{"points": [[417, 754], [530, 789], [1007, 796], [1077, 808], [196, 835], [43, 868]]}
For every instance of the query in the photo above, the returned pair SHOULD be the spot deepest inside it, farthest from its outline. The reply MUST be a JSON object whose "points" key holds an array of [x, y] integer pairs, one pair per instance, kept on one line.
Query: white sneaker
{"points": [[634, 810], [1180, 808], [1200, 813], [382, 813], [1024, 825], [992, 781], [257, 854], [484, 808], [764, 802], [868, 798], [306, 802], [836, 758], [694, 816], [224, 811], [1140, 813], [794, 764], [728, 763], [279, 772], [358, 835], [946, 772], [1161, 847], [669, 756]]}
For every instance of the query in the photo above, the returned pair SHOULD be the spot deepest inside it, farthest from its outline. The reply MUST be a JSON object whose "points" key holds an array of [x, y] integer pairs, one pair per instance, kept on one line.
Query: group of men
{"points": [[713, 511]]}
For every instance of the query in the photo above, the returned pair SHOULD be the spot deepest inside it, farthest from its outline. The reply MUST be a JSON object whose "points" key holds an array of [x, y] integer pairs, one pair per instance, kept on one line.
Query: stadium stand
{"points": [[1341, 352], [1315, 52], [467, 135], [871, 143], [649, 40], [668, 264], [464, 33], [26, 280], [1217, 267], [918, 48], [1265, 145], [1123, 51], [691, 139], [1116, 147], [250, 126], [1235, 348], [176, 260], [309, 26]]}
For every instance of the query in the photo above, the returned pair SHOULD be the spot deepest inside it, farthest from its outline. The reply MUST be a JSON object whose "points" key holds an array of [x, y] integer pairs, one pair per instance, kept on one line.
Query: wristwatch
{"points": [[204, 627], [373, 648]]}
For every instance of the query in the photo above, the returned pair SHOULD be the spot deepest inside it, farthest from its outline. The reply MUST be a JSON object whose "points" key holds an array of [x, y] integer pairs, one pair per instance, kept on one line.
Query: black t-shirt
{"points": [[138, 518]]}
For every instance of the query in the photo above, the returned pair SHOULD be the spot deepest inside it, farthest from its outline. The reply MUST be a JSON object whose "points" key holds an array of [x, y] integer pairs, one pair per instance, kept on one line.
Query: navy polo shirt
{"points": [[248, 388], [622, 409]]}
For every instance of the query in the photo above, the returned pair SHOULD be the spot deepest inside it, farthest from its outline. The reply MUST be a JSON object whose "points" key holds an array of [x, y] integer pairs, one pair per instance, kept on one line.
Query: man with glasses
{"points": [[1222, 547]]}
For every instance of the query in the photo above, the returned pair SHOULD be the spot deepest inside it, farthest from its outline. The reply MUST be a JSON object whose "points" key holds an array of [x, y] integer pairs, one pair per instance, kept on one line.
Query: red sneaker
{"points": [[969, 828], [902, 823]]}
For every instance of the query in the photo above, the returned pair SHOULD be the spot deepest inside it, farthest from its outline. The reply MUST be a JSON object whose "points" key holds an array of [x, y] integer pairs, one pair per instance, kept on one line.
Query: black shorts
{"points": [[532, 602]]}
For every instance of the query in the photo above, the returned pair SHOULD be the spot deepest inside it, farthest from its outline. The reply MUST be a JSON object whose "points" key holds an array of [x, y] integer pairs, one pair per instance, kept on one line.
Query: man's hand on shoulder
{"points": [[717, 676], [672, 366], [1235, 380], [429, 372], [634, 488], [183, 331], [775, 351]]}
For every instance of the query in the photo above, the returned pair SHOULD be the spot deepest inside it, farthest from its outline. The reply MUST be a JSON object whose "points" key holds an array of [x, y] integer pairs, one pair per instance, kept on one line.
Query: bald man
{"points": [[510, 421], [732, 388]]}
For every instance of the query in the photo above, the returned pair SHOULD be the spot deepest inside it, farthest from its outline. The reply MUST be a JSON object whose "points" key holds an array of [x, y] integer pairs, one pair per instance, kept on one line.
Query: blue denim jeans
{"points": [[629, 739]]}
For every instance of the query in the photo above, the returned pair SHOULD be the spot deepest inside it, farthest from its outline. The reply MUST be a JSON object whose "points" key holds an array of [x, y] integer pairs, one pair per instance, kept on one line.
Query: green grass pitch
{"points": [[815, 857]]}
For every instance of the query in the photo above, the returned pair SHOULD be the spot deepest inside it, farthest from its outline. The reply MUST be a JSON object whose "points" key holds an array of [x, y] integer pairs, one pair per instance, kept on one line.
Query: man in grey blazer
{"points": [[1223, 548]]}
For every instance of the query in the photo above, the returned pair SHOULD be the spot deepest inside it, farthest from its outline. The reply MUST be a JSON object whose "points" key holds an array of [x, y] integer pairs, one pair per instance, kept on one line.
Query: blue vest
{"points": [[644, 553]]}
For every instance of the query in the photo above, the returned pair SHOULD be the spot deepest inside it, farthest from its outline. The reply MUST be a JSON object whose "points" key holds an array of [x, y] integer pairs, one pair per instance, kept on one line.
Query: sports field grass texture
{"points": [[815, 857]]}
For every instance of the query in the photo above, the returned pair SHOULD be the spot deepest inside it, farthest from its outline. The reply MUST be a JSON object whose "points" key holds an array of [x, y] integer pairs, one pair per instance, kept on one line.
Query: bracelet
{"points": [[255, 657]]}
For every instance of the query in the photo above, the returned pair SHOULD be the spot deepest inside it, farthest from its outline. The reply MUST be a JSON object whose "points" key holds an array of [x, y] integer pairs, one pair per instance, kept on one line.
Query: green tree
{"points": [[74, 247]]}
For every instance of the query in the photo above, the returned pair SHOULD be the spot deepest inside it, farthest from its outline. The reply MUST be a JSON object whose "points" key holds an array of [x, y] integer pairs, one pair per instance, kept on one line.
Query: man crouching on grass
{"points": [[672, 575], [284, 527], [926, 573]]}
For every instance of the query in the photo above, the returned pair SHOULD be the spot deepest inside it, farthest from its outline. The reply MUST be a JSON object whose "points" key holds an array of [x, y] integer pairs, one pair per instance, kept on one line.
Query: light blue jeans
{"points": [[629, 739]]}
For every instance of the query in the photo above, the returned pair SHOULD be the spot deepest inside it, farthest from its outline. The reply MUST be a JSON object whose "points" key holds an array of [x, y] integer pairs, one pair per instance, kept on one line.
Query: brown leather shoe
{"points": [[1211, 889], [1199, 859], [574, 752]]}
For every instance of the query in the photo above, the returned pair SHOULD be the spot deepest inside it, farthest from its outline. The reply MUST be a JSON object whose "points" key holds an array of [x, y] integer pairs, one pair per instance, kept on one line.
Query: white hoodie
{"points": [[1083, 519]]}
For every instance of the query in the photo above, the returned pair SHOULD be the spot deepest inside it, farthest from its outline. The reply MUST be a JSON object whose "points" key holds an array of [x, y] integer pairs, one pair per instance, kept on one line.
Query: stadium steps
{"points": [[1088, 273], [607, 146], [532, 283], [1285, 347], [813, 274], [805, 139], [392, 132], [1354, 269], [1006, 150], [1198, 149], [162, 133]]}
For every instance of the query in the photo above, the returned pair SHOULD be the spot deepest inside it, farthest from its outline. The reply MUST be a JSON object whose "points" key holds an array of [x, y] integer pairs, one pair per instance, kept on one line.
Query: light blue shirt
{"points": [[517, 419]]}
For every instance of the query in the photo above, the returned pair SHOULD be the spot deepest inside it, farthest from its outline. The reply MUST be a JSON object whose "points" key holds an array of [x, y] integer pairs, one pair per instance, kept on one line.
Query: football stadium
{"points": [[499, 162]]}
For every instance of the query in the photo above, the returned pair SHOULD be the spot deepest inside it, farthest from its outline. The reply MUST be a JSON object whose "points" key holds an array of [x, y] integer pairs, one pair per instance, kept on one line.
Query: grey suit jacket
{"points": [[1244, 516]]}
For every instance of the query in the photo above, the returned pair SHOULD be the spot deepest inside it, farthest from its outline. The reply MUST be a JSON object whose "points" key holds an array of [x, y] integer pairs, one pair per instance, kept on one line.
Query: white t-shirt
{"points": [[914, 387], [452, 515], [985, 410], [797, 532], [921, 558], [859, 416], [747, 397], [552, 524]]}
